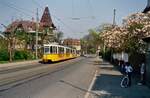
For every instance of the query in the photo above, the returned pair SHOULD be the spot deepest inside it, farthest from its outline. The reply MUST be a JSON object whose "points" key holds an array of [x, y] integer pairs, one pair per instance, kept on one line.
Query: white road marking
{"points": [[91, 85]]}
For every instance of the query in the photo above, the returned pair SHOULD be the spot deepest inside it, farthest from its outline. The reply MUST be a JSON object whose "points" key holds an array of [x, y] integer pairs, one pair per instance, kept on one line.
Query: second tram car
{"points": [[53, 53]]}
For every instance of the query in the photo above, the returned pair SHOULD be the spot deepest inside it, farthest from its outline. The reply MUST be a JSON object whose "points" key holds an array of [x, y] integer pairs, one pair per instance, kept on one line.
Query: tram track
{"points": [[10, 78]]}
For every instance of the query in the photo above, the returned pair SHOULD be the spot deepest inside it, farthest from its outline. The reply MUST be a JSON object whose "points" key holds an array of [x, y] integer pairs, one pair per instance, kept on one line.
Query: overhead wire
{"points": [[91, 8], [64, 23], [38, 4], [58, 19], [18, 9], [29, 12], [81, 18]]}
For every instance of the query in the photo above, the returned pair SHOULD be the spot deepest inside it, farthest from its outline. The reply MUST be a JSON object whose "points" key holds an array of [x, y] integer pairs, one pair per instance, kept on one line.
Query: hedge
{"points": [[23, 55], [4, 56], [18, 55]]}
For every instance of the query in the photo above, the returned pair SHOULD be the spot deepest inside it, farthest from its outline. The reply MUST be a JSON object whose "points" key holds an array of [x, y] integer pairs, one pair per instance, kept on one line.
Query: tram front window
{"points": [[46, 50]]}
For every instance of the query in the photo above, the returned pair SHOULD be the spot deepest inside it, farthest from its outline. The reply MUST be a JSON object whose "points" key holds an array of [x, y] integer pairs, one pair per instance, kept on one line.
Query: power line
{"points": [[15, 8], [63, 23], [58, 19], [38, 4], [19, 9], [91, 8]]}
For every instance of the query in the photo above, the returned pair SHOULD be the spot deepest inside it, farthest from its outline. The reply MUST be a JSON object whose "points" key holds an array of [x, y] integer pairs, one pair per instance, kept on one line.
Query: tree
{"points": [[91, 42], [58, 36], [95, 38], [3, 44]]}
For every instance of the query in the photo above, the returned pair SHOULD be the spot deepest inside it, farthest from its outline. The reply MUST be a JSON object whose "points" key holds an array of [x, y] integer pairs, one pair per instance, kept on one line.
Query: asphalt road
{"points": [[69, 79]]}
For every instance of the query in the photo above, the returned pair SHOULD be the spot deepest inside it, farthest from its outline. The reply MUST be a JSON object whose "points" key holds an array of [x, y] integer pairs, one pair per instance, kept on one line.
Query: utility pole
{"points": [[114, 24], [37, 28], [114, 17]]}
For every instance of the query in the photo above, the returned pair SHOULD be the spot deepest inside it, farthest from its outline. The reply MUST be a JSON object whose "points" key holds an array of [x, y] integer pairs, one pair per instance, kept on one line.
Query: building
{"points": [[147, 9], [72, 43], [147, 61], [45, 30], [46, 26], [147, 55]]}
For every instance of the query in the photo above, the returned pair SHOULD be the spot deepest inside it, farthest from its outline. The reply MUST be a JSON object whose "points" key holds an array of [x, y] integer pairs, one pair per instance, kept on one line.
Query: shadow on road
{"points": [[108, 86], [77, 87]]}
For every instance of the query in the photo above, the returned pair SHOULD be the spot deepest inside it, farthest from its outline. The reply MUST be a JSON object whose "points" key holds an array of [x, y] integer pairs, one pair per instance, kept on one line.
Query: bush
{"points": [[4, 55], [106, 55], [23, 55], [136, 59], [18, 55]]}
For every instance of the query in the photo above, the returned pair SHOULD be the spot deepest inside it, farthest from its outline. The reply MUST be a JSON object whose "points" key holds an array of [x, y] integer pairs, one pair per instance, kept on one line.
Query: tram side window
{"points": [[51, 50], [46, 50], [61, 50], [68, 50], [73, 51], [54, 50]]}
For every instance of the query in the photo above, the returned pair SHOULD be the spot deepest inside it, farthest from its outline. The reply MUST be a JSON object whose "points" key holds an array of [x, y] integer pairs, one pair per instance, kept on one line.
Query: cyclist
{"points": [[128, 70]]}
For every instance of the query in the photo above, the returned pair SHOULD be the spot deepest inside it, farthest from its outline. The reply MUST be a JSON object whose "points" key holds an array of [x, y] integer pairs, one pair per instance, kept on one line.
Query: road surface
{"points": [[69, 79]]}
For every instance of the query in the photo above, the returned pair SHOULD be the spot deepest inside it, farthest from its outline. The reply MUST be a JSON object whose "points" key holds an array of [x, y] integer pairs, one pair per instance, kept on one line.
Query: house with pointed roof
{"points": [[46, 20], [45, 28]]}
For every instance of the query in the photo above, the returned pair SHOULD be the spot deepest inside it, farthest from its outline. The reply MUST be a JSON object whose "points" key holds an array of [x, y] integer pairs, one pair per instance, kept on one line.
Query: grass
{"points": [[5, 62]]}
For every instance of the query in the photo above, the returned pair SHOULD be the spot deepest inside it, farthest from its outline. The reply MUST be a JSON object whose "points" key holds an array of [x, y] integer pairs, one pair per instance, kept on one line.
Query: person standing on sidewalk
{"points": [[142, 72], [129, 70]]}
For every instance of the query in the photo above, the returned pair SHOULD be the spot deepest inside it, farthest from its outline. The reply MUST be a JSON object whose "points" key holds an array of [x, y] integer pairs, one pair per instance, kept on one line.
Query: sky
{"points": [[73, 17]]}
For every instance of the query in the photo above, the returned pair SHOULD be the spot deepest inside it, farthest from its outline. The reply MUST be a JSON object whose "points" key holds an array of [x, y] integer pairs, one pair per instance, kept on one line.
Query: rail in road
{"points": [[10, 70], [13, 77]]}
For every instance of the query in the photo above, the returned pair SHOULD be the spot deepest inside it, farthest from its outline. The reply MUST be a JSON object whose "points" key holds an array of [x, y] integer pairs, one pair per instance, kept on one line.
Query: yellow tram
{"points": [[53, 53]]}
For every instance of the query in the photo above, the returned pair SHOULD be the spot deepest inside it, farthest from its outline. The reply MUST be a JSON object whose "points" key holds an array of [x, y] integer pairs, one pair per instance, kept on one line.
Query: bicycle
{"points": [[125, 81]]}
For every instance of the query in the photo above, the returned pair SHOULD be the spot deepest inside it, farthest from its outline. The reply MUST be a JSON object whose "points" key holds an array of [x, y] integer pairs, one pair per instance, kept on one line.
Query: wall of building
{"points": [[148, 68]]}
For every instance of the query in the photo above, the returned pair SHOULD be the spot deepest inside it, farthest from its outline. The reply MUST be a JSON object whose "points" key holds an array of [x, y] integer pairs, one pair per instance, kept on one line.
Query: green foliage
{"points": [[23, 55], [4, 56], [106, 54], [92, 50], [18, 55], [132, 41], [58, 37], [135, 59], [91, 42], [105, 27], [133, 27], [22, 36], [3, 43]]}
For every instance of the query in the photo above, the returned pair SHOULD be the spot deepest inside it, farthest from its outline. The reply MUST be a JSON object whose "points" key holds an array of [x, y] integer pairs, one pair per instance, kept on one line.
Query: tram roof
{"points": [[57, 46]]}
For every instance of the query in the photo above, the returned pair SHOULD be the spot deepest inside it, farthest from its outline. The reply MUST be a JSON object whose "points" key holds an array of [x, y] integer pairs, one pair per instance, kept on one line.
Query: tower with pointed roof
{"points": [[47, 26], [46, 20]]}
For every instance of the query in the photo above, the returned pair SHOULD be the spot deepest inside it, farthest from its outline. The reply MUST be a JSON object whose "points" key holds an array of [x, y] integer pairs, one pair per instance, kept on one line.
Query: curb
{"points": [[14, 65]]}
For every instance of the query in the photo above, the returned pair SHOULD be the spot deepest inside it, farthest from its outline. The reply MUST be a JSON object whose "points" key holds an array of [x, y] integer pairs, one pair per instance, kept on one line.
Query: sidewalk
{"points": [[107, 84], [13, 65]]}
